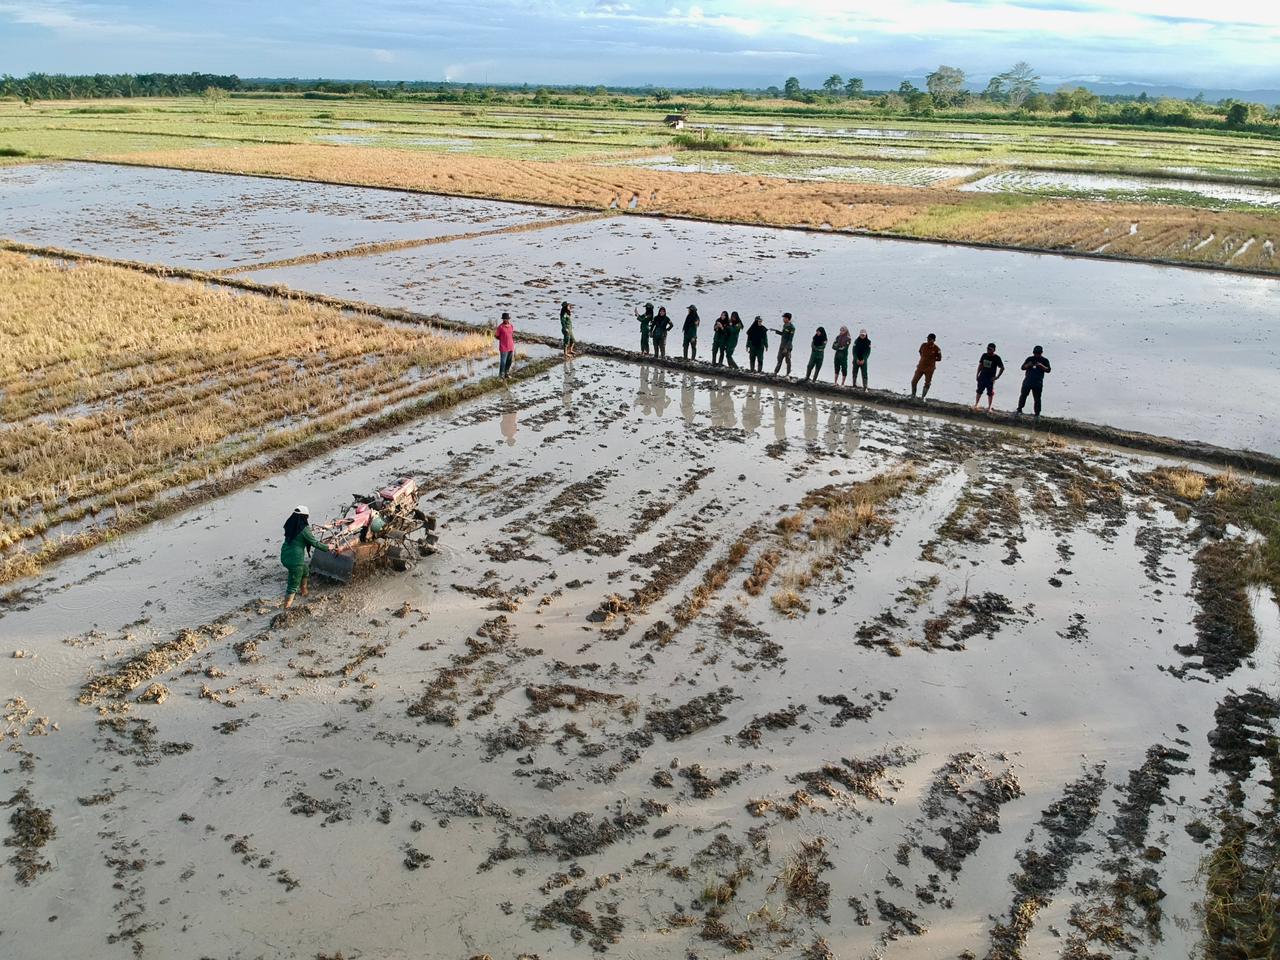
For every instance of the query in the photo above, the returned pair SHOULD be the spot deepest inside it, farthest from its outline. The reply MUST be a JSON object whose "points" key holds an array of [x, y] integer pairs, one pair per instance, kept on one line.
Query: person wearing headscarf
{"points": [[731, 334], [757, 343], [861, 354], [691, 321], [299, 541], [840, 355], [658, 332], [817, 349], [718, 334]]}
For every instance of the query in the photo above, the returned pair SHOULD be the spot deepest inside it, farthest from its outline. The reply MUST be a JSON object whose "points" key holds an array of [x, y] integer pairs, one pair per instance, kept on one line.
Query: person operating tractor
{"points": [[299, 541]]}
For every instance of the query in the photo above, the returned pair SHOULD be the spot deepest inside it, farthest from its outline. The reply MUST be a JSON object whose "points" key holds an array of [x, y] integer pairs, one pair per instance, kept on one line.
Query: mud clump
{"points": [[140, 738], [567, 910], [801, 879], [31, 827], [865, 778], [152, 662], [1242, 734], [783, 719], [966, 797], [965, 619], [705, 786], [900, 920], [308, 806], [1045, 870], [438, 703], [565, 696], [1144, 791], [872, 703], [689, 718], [156, 693], [1226, 634]]}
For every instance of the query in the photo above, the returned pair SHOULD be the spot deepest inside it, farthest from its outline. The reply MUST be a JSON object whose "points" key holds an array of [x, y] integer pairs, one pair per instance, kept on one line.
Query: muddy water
{"points": [[318, 809], [1175, 352], [1073, 183], [209, 222]]}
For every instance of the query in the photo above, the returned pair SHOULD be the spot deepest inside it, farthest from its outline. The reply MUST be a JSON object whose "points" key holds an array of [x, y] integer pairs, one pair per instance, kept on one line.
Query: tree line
{"points": [[61, 86], [1015, 92]]}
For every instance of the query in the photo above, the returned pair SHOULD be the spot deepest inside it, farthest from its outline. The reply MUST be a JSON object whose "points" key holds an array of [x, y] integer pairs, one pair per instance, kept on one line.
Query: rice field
{"points": [[117, 389], [1239, 239], [77, 129], [1127, 189]]}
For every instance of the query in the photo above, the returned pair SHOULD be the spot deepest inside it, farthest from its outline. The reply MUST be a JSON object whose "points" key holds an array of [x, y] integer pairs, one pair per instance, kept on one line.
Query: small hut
{"points": [[675, 121]]}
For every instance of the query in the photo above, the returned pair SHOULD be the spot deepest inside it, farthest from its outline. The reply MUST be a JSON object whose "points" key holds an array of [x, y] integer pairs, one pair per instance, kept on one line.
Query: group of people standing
{"points": [[728, 329]]}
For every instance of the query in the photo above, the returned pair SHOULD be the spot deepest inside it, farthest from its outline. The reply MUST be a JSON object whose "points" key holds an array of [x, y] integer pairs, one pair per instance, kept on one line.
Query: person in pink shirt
{"points": [[506, 337]]}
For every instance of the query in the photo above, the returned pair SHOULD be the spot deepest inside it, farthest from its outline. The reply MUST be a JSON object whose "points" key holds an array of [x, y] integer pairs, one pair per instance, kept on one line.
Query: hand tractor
{"points": [[385, 527]]}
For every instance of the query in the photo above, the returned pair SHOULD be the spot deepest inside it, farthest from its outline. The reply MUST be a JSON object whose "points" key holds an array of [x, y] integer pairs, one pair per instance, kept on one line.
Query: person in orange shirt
{"points": [[930, 357]]}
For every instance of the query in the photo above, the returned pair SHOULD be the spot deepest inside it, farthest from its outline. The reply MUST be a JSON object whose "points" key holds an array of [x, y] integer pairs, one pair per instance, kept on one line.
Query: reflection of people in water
{"points": [[659, 392], [644, 396], [508, 427], [751, 410], [570, 382], [779, 417], [810, 419], [688, 394], [722, 412]]}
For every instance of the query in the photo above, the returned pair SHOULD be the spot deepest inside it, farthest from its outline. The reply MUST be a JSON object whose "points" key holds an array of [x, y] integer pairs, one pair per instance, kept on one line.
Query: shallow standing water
{"points": [[1170, 351], [206, 221], [1185, 353], [286, 793]]}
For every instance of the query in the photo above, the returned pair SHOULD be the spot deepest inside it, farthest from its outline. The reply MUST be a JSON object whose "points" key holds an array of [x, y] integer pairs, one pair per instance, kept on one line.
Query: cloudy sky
{"points": [[739, 43]]}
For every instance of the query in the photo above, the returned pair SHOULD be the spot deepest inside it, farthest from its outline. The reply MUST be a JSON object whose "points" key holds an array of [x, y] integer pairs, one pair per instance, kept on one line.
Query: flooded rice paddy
{"points": [[210, 222], [598, 720], [1110, 185], [1164, 350], [1168, 351]]}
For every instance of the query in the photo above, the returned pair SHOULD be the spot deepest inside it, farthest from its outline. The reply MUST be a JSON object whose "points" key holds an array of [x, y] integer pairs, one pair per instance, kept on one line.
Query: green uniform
{"points": [[841, 357], [566, 329], [645, 320], [731, 333], [294, 557]]}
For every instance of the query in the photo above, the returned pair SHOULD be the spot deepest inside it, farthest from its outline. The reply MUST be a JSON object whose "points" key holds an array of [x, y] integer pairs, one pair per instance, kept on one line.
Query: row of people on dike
{"points": [[728, 329]]}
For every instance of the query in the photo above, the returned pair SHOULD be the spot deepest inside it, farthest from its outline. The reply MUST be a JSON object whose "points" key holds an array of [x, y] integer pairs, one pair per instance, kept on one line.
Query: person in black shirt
{"points": [[757, 343], [990, 369], [1035, 367]]}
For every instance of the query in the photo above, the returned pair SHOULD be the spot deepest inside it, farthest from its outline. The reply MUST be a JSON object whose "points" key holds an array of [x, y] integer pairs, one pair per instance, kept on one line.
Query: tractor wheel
{"points": [[398, 558]]}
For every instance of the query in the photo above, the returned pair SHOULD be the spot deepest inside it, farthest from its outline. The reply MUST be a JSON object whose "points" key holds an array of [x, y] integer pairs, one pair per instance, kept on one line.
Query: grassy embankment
{"points": [[118, 391]]}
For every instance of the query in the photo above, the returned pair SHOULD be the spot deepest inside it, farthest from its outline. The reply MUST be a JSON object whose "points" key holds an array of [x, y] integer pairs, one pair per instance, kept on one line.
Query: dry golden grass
{"points": [[844, 515], [116, 387], [1240, 239], [717, 576], [1183, 482]]}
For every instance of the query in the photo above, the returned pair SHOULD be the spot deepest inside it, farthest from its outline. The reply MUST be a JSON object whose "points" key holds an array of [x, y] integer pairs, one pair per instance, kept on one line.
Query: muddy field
{"points": [[1175, 352], [701, 669], [1157, 349], [208, 222]]}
